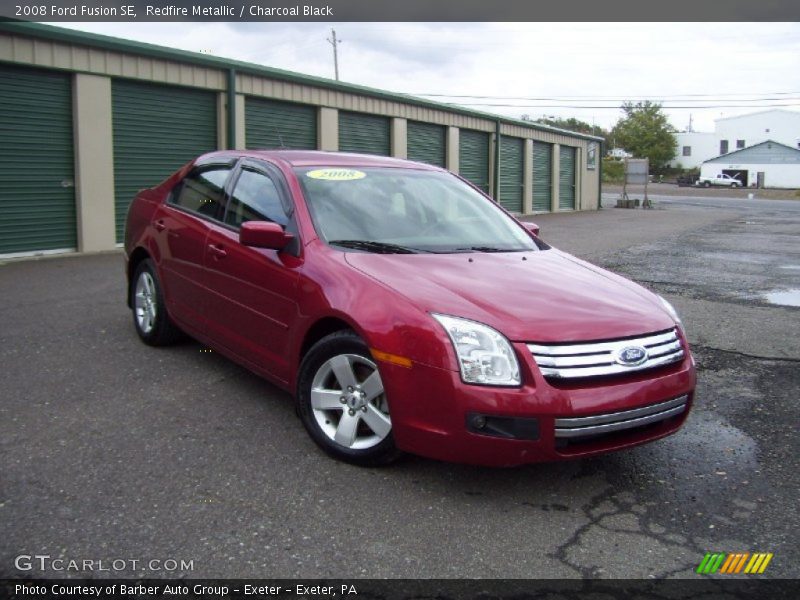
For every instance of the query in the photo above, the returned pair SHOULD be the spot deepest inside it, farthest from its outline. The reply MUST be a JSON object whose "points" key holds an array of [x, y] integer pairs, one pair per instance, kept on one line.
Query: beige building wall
{"points": [[590, 181], [241, 131], [399, 137], [451, 162], [94, 162], [97, 61], [328, 129]]}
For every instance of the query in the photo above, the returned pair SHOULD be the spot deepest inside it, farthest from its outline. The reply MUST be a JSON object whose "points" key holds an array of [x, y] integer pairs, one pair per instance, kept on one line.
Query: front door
{"points": [[252, 291]]}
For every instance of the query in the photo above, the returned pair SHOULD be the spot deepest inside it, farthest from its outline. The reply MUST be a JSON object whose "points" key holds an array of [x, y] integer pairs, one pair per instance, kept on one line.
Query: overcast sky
{"points": [[734, 67]]}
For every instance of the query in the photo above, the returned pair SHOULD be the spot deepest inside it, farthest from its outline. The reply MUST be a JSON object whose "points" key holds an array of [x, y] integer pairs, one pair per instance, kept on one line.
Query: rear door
{"points": [[252, 291], [180, 227]]}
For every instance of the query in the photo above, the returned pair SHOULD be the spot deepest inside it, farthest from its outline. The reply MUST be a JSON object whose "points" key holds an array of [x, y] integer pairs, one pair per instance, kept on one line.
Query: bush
{"points": [[613, 170]]}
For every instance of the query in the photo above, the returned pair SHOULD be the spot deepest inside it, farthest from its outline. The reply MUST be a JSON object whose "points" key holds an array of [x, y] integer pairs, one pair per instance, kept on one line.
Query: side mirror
{"points": [[531, 227], [264, 234]]}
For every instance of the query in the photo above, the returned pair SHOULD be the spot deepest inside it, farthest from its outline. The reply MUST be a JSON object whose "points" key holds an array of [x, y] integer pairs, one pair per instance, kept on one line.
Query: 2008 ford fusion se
{"points": [[404, 310]]}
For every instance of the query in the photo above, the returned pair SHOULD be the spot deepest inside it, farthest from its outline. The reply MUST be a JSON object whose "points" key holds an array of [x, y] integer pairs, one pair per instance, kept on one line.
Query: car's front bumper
{"points": [[433, 413]]}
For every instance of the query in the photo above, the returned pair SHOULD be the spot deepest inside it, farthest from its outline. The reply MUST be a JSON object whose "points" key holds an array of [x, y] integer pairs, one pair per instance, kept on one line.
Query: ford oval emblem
{"points": [[631, 356]]}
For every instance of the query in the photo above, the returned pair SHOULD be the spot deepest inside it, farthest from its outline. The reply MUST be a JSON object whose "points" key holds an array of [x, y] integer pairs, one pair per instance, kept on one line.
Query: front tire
{"points": [[150, 318], [706, 184], [342, 403]]}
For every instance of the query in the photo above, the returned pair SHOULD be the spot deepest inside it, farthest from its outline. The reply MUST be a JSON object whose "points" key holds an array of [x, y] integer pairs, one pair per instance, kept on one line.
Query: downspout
{"points": [[231, 137], [496, 182], [600, 175]]}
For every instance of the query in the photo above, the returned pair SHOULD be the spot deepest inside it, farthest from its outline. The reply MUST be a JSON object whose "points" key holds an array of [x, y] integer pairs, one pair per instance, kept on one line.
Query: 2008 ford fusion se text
{"points": [[404, 310]]}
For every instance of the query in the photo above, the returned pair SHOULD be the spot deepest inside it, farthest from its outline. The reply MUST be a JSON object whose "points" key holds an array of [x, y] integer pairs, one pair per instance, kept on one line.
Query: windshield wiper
{"points": [[377, 247], [487, 249]]}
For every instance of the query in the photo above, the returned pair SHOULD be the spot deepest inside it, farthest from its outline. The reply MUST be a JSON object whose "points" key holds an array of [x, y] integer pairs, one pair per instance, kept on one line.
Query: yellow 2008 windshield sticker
{"points": [[336, 174]]}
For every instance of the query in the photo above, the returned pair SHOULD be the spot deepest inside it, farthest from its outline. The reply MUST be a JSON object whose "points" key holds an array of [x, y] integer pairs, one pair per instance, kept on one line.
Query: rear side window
{"points": [[203, 192], [255, 198]]}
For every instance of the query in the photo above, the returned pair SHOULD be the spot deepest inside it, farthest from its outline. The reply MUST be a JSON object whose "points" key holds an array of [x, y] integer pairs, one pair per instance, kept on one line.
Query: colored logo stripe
{"points": [[758, 563], [711, 562], [731, 564]]}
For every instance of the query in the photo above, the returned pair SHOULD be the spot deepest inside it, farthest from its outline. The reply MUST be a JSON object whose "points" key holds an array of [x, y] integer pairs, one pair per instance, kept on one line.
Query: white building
{"points": [[768, 164], [619, 153], [735, 133]]}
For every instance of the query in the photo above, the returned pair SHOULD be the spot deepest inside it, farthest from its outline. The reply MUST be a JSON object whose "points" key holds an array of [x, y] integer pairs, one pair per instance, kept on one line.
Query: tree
{"points": [[645, 132], [570, 124], [573, 124]]}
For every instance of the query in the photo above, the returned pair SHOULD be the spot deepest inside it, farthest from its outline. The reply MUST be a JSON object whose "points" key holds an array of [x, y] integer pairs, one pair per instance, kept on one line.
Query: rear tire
{"points": [[150, 316], [342, 403]]}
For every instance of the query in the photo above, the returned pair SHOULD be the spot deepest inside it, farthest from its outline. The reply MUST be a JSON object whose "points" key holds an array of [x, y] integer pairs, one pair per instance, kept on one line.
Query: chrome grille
{"points": [[578, 427], [569, 361]]}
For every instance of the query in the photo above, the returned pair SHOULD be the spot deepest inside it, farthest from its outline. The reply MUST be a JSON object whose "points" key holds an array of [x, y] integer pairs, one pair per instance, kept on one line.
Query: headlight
{"points": [[673, 313], [484, 355]]}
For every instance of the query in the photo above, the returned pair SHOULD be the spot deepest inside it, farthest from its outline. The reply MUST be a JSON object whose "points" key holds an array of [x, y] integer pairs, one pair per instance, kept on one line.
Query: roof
{"points": [[38, 30], [760, 112], [318, 158], [782, 148]]}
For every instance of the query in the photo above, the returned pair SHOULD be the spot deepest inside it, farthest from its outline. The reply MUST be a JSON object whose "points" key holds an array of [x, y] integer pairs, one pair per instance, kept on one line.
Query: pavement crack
{"points": [[745, 354]]}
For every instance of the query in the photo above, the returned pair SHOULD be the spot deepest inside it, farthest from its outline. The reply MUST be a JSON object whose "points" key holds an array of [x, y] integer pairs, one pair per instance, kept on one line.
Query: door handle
{"points": [[217, 251], [159, 225]]}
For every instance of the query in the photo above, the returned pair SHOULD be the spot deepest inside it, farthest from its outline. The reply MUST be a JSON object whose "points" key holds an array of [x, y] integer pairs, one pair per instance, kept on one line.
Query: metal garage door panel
{"points": [[367, 134], [511, 172], [542, 176], [271, 124], [157, 128], [473, 157], [566, 183], [427, 143], [37, 166]]}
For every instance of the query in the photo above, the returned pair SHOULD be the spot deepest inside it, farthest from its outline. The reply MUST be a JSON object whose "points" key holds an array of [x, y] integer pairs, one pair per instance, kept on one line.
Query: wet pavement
{"points": [[111, 449]]}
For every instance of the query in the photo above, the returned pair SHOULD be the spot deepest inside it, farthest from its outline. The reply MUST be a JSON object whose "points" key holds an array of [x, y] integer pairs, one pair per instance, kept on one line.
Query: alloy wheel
{"points": [[348, 402], [145, 302]]}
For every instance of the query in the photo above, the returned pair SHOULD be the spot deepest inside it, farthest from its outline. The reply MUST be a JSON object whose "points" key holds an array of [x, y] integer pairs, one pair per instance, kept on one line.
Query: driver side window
{"points": [[255, 198]]}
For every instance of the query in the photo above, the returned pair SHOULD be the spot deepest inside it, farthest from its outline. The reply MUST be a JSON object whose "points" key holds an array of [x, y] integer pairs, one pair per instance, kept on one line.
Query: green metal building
{"points": [[88, 120]]}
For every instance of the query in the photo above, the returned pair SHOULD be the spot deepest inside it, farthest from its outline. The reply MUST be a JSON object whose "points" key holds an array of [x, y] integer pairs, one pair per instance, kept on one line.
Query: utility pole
{"points": [[690, 122], [333, 42]]}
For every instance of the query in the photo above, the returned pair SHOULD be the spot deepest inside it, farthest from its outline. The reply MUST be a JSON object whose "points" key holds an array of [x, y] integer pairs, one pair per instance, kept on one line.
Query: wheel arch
{"points": [[321, 328], [137, 256]]}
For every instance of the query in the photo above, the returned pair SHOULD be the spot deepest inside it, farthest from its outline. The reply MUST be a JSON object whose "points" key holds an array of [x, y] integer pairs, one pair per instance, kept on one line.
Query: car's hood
{"points": [[546, 296]]}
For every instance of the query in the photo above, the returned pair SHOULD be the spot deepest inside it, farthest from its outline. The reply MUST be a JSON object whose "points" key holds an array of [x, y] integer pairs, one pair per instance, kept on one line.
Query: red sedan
{"points": [[404, 310]]}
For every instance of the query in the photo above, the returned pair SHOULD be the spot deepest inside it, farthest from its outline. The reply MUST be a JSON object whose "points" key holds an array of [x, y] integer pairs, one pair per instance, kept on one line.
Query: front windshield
{"points": [[406, 211]]}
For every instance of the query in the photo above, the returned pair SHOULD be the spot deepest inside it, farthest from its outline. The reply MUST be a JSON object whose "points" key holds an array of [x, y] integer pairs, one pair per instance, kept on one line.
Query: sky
{"points": [[581, 70]]}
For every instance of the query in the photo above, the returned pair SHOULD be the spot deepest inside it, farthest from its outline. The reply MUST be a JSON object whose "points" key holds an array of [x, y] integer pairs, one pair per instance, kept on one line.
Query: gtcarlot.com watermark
{"points": [[45, 562]]}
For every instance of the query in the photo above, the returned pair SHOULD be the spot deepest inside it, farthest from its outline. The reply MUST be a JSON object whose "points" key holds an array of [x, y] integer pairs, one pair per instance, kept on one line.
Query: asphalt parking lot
{"points": [[114, 450]]}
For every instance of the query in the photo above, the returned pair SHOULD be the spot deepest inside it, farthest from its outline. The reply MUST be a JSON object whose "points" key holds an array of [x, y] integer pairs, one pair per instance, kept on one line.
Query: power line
{"points": [[583, 106], [770, 97], [665, 107]]}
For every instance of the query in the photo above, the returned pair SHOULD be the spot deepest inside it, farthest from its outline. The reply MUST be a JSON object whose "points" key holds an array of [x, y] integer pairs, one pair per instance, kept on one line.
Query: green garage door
{"points": [[542, 176], [157, 129], [566, 183], [270, 124], [37, 193], [473, 157], [511, 170], [427, 143], [367, 134]]}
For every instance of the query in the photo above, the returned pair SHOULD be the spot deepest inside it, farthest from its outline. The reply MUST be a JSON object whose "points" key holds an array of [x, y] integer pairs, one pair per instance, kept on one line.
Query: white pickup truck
{"points": [[720, 179]]}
